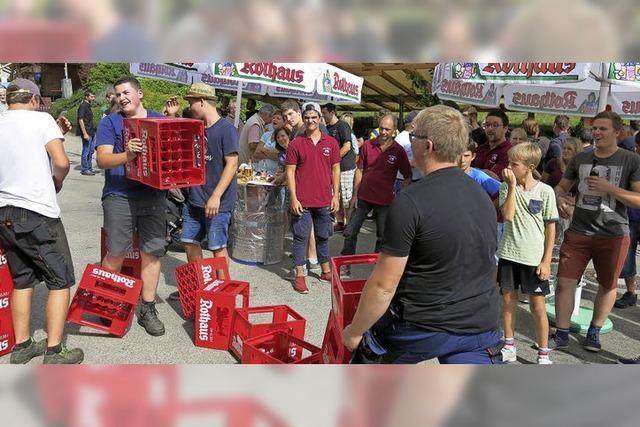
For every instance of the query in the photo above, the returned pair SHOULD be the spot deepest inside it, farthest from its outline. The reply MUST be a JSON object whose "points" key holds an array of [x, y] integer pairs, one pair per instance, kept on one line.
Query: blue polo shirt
{"points": [[488, 184], [110, 132]]}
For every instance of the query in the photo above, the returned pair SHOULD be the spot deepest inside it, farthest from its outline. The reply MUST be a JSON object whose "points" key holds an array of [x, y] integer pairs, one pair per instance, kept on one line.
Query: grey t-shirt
{"points": [[599, 214]]}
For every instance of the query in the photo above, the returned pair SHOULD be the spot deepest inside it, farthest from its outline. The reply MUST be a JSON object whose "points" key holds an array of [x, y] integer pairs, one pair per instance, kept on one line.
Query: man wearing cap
{"points": [[253, 130], [313, 179], [208, 212], [131, 207], [380, 161], [341, 132], [405, 142], [33, 167]]}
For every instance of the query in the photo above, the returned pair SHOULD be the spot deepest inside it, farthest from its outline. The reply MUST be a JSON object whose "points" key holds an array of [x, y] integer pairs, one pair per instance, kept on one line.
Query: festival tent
{"points": [[319, 82], [579, 89]]}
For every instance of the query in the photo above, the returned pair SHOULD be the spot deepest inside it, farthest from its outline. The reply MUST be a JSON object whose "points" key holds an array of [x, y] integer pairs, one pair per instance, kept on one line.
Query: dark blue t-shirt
{"points": [[110, 132], [222, 140]]}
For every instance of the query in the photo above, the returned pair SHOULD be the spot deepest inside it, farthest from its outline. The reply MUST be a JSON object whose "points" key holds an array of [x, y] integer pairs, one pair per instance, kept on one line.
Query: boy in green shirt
{"points": [[530, 212]]}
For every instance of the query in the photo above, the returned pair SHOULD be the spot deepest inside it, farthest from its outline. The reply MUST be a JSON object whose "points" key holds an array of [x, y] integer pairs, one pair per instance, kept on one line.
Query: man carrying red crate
{"points": [[432, 294], [31, 231], [313, 179], [208, 211], [129, 206]]}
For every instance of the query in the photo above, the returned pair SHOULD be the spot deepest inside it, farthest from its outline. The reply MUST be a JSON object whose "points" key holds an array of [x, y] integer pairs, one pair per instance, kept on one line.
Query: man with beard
{"points": [[380, 161], [492, 156]]}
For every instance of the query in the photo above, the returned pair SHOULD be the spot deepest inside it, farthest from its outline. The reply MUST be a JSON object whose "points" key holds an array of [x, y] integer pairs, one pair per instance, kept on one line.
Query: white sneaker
{"points": [[509, 353], [543, 359]]}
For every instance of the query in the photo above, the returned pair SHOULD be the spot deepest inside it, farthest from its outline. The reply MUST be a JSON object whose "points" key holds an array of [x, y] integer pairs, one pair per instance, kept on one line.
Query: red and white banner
{"points": [[486, 94], [521, 72]]}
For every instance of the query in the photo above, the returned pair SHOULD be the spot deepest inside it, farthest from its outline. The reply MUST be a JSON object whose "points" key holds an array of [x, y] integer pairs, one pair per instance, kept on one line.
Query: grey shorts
{"points": [[125, 217]]}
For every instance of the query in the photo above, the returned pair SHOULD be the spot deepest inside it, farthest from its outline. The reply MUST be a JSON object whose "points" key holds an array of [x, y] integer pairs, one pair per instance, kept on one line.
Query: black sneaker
{"points": [[592, 342], [626, 300], [64, 357], [630, 361], [148, 319], [20, 356], [174, 296], [555, 342]]}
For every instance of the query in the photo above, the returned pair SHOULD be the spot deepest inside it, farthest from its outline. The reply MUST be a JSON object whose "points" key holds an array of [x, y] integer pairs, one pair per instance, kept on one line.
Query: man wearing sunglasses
{"points": [[432, 294]]}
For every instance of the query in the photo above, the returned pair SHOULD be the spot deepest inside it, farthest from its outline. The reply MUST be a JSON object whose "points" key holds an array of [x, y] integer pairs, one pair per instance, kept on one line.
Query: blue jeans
{"points": [[405, 342], [197, 226], [301, 227], [88, 145], [629, 268]]}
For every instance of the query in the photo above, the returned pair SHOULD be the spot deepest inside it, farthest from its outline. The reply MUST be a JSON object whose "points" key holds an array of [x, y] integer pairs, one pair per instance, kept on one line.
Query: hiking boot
{"points": [[630, 361], [626, 300], [300, 285], [509, 353], [64, 357], [326, 277], [555, 342], [592, 342], [20, 356], [148, 319]]}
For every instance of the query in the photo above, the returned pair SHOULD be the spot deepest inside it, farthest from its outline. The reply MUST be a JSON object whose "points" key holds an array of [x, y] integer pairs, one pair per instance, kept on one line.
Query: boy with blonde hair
{"points": [[530, 212]]}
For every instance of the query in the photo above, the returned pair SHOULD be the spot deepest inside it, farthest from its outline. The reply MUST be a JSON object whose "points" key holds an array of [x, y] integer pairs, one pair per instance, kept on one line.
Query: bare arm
{"points": [[544, 269], [335, 182], [85, 135], [296, 207], [263, 152], [344, 148], [630, 198], [228, 173], [59, 162], [376, 297], [107, 159]]}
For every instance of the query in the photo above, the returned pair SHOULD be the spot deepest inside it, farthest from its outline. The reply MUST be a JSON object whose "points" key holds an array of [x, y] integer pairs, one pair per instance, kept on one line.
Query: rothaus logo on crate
{"points": [[207, 270], [4, 300], [4, 342], [133, 254], [115, 277], [144, 135], [204, 319], [3, 259]]}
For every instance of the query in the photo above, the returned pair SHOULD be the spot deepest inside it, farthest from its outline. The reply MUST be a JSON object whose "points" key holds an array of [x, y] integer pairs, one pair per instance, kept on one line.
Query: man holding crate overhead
{"points": [[129, 206]]}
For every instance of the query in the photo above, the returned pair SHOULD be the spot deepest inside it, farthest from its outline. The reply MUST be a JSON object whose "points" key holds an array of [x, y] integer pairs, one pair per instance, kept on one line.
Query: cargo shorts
{"points": [[36, 248]]}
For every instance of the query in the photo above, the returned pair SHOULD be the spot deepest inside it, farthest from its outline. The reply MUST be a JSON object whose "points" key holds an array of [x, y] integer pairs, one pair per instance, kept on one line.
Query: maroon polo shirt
{"points": [[495, 160], [313, 169], [379, 171]]}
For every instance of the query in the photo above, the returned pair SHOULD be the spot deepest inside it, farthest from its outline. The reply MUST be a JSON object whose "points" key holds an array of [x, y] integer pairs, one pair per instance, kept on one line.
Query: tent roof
{"points": [[387, 85]]}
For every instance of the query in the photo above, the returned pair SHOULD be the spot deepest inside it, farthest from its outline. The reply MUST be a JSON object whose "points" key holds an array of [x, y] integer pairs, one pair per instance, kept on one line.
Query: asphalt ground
{"points": [[82, 217]]}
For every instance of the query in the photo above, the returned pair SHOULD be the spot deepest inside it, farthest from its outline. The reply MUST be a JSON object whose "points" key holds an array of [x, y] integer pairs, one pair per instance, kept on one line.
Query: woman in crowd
{"points": [[518, 136], [266, 153], [555, 168]]}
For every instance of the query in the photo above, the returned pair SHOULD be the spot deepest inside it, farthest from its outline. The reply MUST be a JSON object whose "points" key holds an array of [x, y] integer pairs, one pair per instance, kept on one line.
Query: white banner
{"points": [[486, 94], [625, 73], [230, 85], [168, 72], [289, 75], [333, 81], [553, 99], [283, 92], [626, 103], [521, 72]]}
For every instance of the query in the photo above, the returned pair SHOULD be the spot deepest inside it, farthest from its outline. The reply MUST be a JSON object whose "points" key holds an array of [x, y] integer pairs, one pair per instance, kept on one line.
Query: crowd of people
{"points": [[467, 215]]}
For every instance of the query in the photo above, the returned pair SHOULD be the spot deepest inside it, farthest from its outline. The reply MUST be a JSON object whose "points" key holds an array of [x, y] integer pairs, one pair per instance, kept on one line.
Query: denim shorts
{"points": [[36, 248], [196, 227]]}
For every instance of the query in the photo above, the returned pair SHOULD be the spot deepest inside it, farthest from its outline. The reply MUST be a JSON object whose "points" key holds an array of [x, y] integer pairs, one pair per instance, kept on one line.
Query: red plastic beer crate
{"points": [[280, 347], [6, 281], [255, 321], [7, 338], [345, 293], [112, 297], [215, 305], [132, 264], [198, 275], [172, 155], [333, 351]]}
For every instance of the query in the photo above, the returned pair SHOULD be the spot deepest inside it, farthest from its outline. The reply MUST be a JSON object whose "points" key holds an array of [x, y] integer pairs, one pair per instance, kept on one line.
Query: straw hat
{"points": [[201, 91]]}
